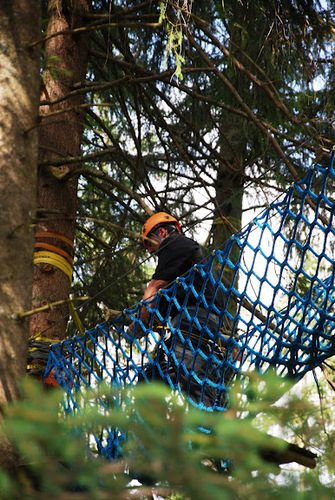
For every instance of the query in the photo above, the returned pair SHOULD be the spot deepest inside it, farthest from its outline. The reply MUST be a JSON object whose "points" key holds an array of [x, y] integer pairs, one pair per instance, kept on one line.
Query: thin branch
{"points": [[104, 223], [88, 172], [84, 87], [327, 376], [76, 159], [46, 307], [94, 27]]}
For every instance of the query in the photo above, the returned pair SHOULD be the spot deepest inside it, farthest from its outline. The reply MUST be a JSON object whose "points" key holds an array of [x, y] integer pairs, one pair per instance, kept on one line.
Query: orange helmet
{"points": [[155, 220]]}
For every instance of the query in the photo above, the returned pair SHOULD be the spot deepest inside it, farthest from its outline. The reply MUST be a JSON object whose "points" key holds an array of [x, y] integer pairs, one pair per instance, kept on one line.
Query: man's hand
{"points": [[130, 329], [134, 330], [112, 314]]}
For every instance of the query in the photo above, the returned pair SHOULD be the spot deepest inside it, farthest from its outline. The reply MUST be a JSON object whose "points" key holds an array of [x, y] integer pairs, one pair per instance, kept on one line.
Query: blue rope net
{"points": [[278, 315]]}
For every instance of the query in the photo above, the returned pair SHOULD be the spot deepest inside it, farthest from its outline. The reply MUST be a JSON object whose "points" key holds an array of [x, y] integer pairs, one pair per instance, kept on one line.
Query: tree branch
{"points": [[75, 159]]}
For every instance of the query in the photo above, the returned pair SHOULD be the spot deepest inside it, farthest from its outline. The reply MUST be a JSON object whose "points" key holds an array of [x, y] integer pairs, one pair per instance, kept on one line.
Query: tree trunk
{"points": [[229, 193], [19, 91], [60, 138], [230, 176], [20, 24]]}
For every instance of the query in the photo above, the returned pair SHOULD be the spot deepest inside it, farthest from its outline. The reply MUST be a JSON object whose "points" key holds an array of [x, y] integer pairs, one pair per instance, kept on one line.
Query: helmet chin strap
{"points": [[159, 237], [168, 234]]}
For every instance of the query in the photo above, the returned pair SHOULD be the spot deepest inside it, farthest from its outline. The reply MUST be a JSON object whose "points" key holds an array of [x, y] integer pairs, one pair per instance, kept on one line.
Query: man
{"points": [[188, 356]]}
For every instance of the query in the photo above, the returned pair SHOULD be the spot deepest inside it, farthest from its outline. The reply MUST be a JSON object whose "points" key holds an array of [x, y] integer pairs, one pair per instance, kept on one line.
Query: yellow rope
{"points": [[76, 318], [43, 339], [55, 260], [50, 305], [35, 367], [52, 248]]}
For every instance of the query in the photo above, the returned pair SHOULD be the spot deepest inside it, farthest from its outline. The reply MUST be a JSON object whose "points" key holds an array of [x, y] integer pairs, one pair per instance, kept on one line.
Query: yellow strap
{"points": [[52, 248], [43, 339], [54, 259], [35, 367], [76, 318], [195, 336]]}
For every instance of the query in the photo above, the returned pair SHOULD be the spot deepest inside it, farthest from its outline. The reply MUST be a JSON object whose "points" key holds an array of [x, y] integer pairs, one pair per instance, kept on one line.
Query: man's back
{"points": [[176, 256]]}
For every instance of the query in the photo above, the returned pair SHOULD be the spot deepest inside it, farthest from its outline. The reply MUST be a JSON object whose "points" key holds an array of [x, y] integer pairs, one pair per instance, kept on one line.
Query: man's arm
{"points": [[152, 289]]}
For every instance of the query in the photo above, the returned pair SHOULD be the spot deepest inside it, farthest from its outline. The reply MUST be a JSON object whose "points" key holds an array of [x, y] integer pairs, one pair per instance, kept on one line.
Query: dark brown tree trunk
{"points": [[20, 24], [231, 173], [230, 176], [60, 138], [229, 193]]}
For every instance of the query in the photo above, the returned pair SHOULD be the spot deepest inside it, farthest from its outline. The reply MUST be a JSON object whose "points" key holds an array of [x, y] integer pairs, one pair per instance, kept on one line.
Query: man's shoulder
{"points": [[179, 241]]}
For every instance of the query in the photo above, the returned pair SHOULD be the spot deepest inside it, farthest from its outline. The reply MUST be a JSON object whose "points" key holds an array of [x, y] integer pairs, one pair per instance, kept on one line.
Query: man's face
{"points": [[155, 240], [153, 244]]}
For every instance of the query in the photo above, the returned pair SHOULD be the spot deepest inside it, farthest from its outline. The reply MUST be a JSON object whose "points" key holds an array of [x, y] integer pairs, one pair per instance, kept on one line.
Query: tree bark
{"points": [[20, 24], [231, 173], [60, 137]]}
